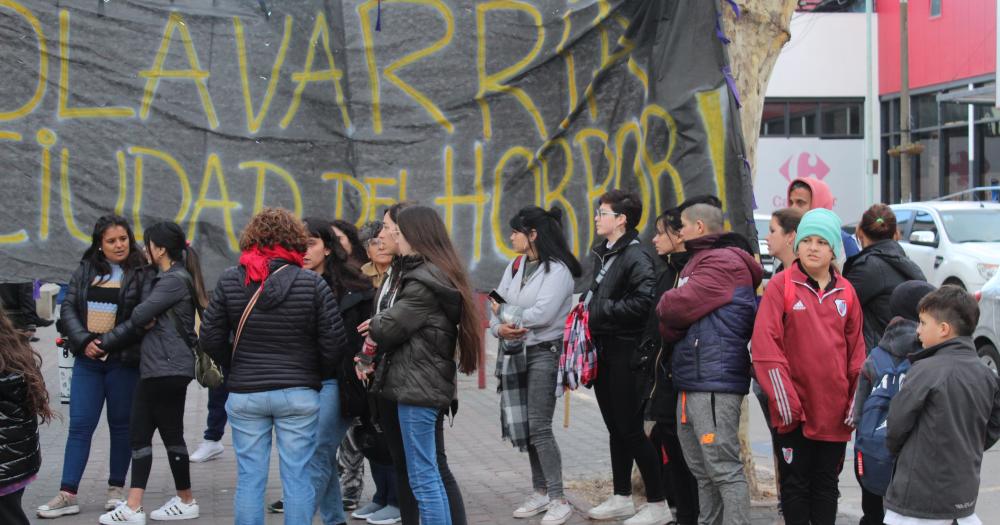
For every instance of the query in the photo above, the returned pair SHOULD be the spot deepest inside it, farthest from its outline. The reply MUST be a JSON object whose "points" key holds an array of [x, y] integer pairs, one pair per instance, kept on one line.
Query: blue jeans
{"points": [[215, 423], [332, 429], [95, 382], [417, 424], [293, 413]]}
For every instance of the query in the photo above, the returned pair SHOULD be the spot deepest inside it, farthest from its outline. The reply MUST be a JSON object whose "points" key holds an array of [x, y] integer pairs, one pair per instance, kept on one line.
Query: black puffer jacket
{"points": [[659, 393], [875, 272], [622, 301], [294, 336], [416, 336], [20, 456], [73, 314]]}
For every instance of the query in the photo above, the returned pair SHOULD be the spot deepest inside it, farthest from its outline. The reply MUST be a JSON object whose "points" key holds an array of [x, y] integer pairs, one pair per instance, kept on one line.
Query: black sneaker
{"points": [[350, 504], [278, 507]]}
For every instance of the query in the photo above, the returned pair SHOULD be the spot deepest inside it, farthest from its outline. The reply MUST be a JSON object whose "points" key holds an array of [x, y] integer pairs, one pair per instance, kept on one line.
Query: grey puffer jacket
{"points": [[416, 336], [294, 336], [946, 414], [164, 352]]}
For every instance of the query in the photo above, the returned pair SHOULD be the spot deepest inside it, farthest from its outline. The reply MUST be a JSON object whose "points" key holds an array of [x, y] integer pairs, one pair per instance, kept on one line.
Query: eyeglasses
{"points": [[599, 212], [373, 243]]}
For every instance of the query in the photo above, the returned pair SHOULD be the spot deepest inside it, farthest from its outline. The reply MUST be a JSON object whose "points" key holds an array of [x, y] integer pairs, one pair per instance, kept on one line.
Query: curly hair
{"points": [[275, 226]]}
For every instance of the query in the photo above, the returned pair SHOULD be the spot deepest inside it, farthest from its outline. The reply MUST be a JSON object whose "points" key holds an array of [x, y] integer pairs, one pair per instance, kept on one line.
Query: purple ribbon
{"points": [[728, 73], [378, 17]]}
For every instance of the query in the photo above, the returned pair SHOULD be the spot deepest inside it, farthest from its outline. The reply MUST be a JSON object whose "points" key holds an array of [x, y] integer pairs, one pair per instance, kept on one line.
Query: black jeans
{"points": [[872, 509], [215, 424], [11, 512], [619, 398], [389, 421], [159, 405], [680, 485], [810, 471]]}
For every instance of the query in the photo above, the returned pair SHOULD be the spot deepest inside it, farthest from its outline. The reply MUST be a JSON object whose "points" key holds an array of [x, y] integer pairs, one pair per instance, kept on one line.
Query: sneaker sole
{"points": [[207, 458], [58, 513], [614, 516], [386, 522], [530, 514], [175, 518], [558, 522], [357, 516]]}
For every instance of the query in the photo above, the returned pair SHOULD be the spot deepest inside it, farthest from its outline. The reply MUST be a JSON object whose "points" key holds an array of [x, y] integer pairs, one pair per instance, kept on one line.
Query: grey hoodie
{"points": [[900, 341], [946, 414]]}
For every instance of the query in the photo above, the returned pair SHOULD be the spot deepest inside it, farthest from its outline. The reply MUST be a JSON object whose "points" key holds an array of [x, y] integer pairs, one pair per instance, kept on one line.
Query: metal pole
{"points": [[869, 172], [905, 172], [972, 143]]}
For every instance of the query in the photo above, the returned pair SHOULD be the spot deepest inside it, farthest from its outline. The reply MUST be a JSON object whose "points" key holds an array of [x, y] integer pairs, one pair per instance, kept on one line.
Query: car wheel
{"points": [[989, 356], [956, 282]]}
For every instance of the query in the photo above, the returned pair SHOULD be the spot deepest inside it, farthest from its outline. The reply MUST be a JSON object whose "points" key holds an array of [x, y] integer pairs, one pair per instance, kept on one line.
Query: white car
{"points": [[987, 335], [952, 242], [763, 223]]}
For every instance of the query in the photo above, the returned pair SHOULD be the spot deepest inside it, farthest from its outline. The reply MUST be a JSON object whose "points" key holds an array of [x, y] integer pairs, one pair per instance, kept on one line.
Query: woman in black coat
{"points": [[102, 293], [23, 401], [878, 269]]}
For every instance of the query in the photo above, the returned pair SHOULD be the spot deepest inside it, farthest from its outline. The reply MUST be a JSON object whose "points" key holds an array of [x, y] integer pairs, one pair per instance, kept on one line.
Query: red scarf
{"points": [[257, 261]]}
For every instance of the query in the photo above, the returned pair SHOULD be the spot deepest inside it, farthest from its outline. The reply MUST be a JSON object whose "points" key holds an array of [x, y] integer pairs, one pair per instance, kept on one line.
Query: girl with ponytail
{"points": [[537, 293], [166, 315]]}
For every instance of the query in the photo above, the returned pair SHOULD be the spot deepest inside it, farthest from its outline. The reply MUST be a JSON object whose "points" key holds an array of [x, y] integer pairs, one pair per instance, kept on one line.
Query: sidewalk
{"points": [[494, 477]]}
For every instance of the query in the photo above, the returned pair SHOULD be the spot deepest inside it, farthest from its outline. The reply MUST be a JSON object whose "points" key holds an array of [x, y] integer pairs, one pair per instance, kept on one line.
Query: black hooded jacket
{"points": [[73, 314], [659, 394], [416, 336], [294, 337], [875, 272]]}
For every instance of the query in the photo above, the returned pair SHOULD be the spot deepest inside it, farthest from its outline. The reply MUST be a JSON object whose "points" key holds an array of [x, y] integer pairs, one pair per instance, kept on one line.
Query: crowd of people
{"points": [[344, 347]]}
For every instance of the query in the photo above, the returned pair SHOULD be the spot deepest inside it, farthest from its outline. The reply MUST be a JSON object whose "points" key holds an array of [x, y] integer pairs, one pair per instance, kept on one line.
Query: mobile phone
{"points": [[497, 297]]}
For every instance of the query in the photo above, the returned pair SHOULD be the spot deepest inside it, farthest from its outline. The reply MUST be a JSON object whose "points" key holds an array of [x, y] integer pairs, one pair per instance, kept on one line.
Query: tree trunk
{"points": [[757, 38]]}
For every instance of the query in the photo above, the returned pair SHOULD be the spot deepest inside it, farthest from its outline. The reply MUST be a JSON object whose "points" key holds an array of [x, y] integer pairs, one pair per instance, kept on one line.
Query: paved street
{"points": [[494, 477]]}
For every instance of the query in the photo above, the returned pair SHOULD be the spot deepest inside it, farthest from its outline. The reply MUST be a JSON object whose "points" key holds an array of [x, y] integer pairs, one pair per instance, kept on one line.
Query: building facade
{"points": [[953, 114], [813, 120]]}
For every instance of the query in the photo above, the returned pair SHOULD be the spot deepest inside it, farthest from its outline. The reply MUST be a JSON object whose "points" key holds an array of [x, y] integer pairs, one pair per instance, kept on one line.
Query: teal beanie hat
{"points": [[822, 223]]}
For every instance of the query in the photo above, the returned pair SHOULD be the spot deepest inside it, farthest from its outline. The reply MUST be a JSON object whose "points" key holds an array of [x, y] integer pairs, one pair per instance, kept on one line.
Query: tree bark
{"points": [[757, 38]]}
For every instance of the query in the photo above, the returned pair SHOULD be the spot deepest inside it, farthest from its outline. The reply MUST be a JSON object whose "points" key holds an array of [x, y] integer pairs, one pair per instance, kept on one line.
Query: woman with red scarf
{"points": [[287, 336]]}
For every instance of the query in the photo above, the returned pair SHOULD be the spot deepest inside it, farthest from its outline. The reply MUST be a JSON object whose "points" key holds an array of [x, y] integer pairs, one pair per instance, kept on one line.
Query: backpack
{"points": [[874, 462]]}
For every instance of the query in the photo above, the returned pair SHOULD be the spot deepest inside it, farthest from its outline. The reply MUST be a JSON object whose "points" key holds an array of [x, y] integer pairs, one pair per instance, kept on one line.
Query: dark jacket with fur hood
{"points": [[416, 336]]}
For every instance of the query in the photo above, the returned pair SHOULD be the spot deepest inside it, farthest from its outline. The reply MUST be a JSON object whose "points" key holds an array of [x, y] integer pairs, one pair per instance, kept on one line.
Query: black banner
{"points": [[202, 112]]}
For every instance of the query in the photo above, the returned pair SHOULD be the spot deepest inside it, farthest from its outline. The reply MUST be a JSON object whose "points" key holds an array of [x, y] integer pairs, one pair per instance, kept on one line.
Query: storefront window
{"points": [[772, 122], [958, 161], [929, 165]]}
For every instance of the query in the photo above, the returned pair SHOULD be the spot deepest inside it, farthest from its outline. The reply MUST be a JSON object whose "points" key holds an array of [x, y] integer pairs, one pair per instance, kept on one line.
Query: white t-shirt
{"points": [[892, 518]]}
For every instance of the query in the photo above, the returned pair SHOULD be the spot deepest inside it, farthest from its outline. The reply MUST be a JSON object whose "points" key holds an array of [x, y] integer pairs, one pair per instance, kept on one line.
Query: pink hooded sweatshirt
{"points": [[821, 195]]}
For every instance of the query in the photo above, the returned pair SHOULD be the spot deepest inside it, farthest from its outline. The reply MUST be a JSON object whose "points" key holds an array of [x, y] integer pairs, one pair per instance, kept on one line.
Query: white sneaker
{"points": [[558, 513], [614, 507], [63, 504], [176, 510], [116, 496], [535, 505], [206, 451], [652, 514], [123, 514]]}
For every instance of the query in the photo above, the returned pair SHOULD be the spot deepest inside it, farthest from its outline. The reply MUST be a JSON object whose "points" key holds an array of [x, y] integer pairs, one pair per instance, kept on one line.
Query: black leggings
{"points": [[619, 398], [159, 405], [408, 511], [11, 512]]}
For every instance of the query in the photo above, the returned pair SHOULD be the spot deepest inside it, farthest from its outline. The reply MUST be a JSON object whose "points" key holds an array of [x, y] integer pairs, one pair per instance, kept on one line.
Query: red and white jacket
{"points": [[808, 350]]}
